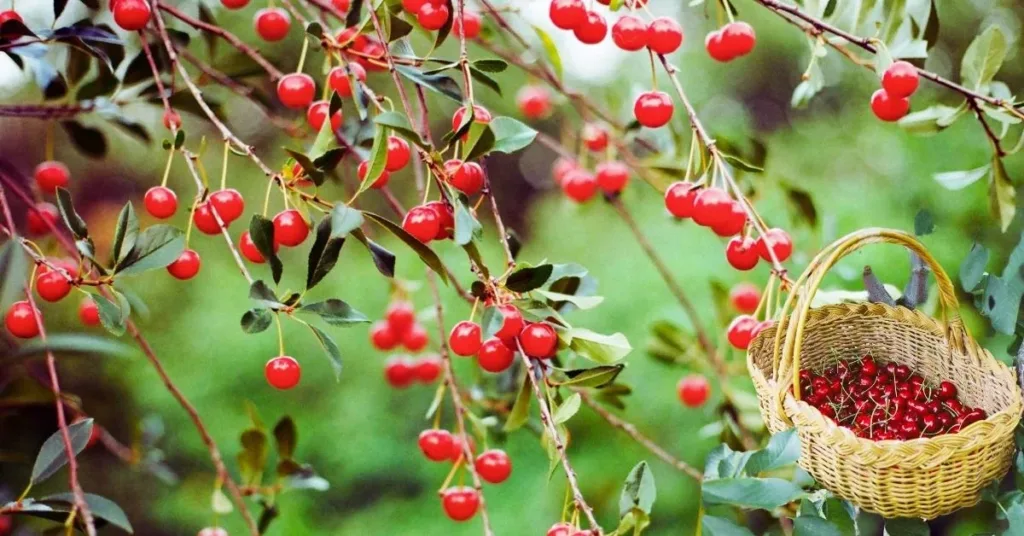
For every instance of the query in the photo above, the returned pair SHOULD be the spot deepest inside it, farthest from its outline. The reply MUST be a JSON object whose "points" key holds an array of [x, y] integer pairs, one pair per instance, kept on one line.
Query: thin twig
{"points": [[46, 111]]}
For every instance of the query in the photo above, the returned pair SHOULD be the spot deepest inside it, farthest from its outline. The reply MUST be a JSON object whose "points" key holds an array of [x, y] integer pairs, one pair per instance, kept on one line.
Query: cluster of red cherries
{"points": [[494, 466], [731, 41], [21, 320], [537, 340], [745, 298], [580, 184], [434, 14], [885, 401], [892, 101], [400, 328], [714, 208]]}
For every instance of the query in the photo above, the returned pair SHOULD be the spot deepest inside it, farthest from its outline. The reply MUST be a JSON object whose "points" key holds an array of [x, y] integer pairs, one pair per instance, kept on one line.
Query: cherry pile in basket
{"points": [[885, 401]]}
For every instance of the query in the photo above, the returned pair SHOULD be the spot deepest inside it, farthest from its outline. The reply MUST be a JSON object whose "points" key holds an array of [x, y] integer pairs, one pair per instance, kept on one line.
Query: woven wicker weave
{"points": [[922, 478]]}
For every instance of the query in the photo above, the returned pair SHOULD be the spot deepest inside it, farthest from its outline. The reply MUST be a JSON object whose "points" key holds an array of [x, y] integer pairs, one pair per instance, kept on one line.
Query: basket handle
{"points": [[786, 353]]}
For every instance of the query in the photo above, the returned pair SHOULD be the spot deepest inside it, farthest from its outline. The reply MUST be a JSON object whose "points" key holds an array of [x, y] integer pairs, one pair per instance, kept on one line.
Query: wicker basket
{"points": [[921, 478]]}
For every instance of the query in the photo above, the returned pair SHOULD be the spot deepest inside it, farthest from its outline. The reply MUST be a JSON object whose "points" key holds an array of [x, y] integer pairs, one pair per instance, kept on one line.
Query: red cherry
{"points": [[538, 340], [494, 466], [741, 252], [342, 5], [51, 175], [428, 369], [466, 177], [437, 445], [21, 320], [534, 102], [399, 372], [900, 79], [52, 286], [630, 33], [465, 338], [413, 6], [745, 297], [740, 331], [229, 204], [664, 35], [401, 316], [317, 112], [88, 312], [66, 264], [131, 15], [653, 109], [249, 249], [234, 4], [382, 180], [160, 202], [290, 229], [5, 16], [272, 24], [471, 23], [715, 44], [738, 38], [283, 372], [494, 356], [460, 503], [561, 168], [712, 207], [422, 223], [41, 219], [382, 336], [595, 137], [445, 218], [186, 266], [511, 323], [592, 30], [296, 90], [415, 339], [372, 57], [398, 153], [679, 199], [733, 221], [579, 185], [612, 176], [567, 14], [171, 120], [693, 390], [350, 38], [432, 16], [780, 243], [339, 81], [887, 107], [480, 115], [204, 219], [947, 391]]}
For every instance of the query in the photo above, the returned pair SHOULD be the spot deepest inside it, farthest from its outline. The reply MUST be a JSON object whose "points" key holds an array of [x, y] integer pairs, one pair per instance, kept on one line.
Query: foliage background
{"points": [[359, 433]]}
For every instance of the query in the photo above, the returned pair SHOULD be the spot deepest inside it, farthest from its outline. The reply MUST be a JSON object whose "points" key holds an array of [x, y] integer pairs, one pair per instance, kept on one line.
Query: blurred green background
{"points": [[360, 434]]}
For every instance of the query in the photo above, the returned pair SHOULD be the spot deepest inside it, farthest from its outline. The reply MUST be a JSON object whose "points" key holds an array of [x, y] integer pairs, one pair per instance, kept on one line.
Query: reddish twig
{"points": [[46, 111]]}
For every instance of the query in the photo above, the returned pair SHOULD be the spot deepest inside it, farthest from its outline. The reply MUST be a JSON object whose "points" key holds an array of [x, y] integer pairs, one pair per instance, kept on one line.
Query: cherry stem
{"points": [[224, 167], [167, 167]]}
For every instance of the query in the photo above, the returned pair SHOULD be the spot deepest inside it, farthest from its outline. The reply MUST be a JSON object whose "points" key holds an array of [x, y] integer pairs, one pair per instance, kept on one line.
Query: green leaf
{"points": [[958, 180], [74, 342], [467, 227], [551, 50], [112, 316], [601, 349], [480, 141], [972, 269], [527, 279], [378, 158], [155, 248], [482, 78], [984, 57], [783, 449], [719, 526], [521, 409], [567, 409], [746, 492], [53, 454], [491, 65], [896, 13], [335, 312], [399, 123], [814, 526], [1000, 303], [323, 255], [285, 436], [253, 456], [511, 135], [101, 508], [260, 293], [71, 218], [261, 231], [931, 120], [596, 377], [1015, 516], [383, 259], [583, 302], [219, 502], [441, 84], [14, 270], [638, 491], [125, 233], [1002, 194], [426, 254], [257, 320], [331, 350], [325, 138], [924, 223], [344, 220], [902, 526]]}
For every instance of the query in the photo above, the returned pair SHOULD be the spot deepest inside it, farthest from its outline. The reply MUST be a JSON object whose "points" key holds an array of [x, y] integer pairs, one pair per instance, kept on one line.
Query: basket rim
{"points": [[1010, 413]]}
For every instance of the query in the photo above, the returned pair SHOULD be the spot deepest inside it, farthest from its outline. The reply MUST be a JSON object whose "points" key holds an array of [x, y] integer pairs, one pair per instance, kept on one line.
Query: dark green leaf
{"points": [[398, 122], [511, 135], [335, 312], [482, 78], [596, 377], [441, 84], [719, 526], [74, 222], [902, 526], [527, 279], [74, 342], [480, 141], [253, 456], [330, 349], [491, 65], [763, 493], [924, 223], [90, 141], [399, 29], [261, 231], [256, 320], [521, 409], [323, 256], [804, 205], [101, 508], [260, 293], [783, 449], [112, 316], [426, 254], [286, 436], [383, 259], [814, 526], [467, 227], [638, 490], [13, 272], [53, 454], [156, 247]]}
